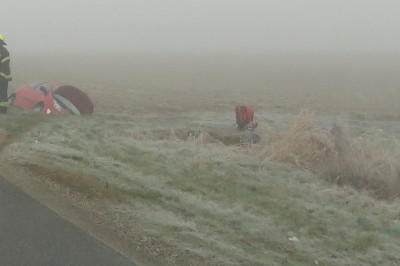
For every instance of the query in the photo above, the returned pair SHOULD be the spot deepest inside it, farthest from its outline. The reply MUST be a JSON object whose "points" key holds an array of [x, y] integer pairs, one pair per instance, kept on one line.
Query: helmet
{"points": [[2, 39]]}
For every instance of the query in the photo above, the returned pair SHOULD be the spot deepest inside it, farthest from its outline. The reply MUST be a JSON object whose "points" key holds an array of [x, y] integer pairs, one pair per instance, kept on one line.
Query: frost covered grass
{"points": [[224, 203], [161, 149]]}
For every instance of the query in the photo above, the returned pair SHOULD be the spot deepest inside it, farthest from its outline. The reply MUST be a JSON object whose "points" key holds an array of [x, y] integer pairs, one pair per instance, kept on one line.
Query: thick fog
{"points": [[201, 26]]}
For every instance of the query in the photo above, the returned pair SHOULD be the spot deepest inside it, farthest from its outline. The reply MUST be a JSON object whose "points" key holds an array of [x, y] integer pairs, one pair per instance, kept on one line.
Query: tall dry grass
{"points": [[363, 162]]}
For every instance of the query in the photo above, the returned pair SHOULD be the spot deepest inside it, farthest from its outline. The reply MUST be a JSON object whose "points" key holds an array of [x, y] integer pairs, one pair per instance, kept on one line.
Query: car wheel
{"points": [[11, 99], [38, 107]]}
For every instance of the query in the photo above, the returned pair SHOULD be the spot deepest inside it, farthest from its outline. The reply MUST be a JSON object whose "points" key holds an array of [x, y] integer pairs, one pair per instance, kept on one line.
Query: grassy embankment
{"points": [[228, 204]]}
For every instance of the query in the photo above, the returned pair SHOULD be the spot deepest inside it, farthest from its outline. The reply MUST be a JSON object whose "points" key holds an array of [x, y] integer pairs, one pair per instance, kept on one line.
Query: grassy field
{"points": [[161, 151]]}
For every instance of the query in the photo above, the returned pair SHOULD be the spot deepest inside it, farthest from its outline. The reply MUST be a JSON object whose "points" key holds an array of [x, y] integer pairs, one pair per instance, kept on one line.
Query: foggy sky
{"points": [[201, 26]]}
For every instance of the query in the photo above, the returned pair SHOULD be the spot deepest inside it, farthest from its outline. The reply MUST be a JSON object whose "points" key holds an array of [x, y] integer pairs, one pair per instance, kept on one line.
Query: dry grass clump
{"points": [[363, 162], [200, 137], [302, 146]]}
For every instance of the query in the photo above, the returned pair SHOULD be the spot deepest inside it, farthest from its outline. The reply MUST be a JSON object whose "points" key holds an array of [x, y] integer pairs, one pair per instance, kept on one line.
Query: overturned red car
{"points": [[49, 98]]}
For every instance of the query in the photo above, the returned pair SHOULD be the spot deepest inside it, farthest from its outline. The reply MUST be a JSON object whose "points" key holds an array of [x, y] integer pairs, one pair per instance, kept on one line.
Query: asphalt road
{"points": [[31, 234]]}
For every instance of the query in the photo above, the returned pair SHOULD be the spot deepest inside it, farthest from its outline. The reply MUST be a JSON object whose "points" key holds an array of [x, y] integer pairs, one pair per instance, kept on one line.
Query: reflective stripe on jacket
{"points": [[5, 70]]}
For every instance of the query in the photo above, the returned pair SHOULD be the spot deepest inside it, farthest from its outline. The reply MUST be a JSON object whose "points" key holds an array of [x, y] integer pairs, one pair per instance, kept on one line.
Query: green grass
{"points": [[219, 201]]}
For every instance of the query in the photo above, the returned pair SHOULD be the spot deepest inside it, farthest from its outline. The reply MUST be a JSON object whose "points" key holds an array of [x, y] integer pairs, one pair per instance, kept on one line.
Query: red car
{"points": [[48, 98]]}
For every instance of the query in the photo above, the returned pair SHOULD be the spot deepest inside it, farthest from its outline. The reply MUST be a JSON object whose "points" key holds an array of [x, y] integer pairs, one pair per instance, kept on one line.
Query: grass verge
{"points": [[226, 204]]}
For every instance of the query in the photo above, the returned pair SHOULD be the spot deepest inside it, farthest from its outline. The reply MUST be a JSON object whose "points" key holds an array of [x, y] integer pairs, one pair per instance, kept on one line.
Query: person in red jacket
{"points": [[244, 118], [5, 75]]}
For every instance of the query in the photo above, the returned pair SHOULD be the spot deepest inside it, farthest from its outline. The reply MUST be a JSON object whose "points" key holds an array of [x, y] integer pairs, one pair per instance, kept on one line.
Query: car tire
{"points": [[11, 99], [38, 107]]}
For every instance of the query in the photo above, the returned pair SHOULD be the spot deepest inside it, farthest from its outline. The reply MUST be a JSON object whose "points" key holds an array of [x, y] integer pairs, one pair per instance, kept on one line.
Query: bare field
{"points": [[160, 154], [365, 86]]}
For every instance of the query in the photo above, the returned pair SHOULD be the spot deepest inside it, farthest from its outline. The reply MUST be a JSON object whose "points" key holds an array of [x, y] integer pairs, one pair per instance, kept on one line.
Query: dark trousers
{"points": [[3, 96]]}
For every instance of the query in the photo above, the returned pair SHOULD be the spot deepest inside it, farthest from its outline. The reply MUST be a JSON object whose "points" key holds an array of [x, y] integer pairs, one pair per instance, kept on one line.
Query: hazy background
{"points": [[201, 26], [340, 56]]}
